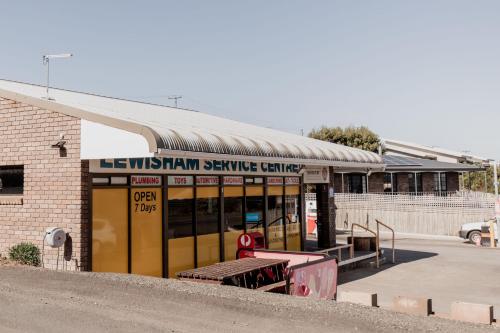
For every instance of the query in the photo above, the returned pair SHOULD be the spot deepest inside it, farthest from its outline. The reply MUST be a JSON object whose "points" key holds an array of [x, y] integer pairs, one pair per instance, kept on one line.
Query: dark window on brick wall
{"points": [[443, 182], [11, 180], [390, 183], [356, 183], [411, 182]]}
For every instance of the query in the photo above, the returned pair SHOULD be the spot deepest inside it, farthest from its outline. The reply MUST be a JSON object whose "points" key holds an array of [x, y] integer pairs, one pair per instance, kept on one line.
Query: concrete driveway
{"points": [[445, 270]]}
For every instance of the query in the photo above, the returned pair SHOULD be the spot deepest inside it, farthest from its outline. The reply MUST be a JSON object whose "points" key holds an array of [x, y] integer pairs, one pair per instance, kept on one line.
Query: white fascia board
{"points": [[101, 141], [151, 137]]}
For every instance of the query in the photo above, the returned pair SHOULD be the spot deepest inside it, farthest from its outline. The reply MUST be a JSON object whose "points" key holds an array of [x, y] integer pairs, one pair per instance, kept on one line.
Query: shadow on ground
{"points": [[351, 273], [402, 257]]}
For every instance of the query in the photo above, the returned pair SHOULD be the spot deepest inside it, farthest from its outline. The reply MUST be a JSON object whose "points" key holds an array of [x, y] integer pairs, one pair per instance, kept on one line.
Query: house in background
{"points": [[407, 175], [408, 149], [421, 190]]}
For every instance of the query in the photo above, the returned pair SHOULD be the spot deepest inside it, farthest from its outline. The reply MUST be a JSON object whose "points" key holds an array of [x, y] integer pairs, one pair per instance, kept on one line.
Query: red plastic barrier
{"points": [[311, 226], [317, 279]]}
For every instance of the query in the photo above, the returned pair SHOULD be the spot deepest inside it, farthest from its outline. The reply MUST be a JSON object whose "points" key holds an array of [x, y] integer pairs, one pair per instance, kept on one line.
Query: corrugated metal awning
{"points": [[179, 131]]}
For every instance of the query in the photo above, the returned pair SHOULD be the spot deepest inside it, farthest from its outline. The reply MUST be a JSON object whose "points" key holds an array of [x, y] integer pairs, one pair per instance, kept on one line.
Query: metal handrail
{"points": [[370, 231], [339, 249], [393, 237]]}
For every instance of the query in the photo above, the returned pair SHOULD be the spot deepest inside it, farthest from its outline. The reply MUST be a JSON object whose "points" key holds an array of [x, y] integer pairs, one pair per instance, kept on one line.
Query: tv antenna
{"points": [[175, 98]]}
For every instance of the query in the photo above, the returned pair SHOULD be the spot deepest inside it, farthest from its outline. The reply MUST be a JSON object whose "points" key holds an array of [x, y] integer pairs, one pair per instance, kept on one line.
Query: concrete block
{"points": [[471, 312], [358, 297], [412, 305]]}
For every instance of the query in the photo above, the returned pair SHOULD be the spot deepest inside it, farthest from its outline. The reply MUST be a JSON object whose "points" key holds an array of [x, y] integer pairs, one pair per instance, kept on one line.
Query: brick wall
{"points": [[403, 184], [376, 182], [428, 182], [54, 186]]}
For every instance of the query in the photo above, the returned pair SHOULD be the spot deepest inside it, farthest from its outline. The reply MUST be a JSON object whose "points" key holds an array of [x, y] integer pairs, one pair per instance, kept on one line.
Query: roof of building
{"points": [[175, 131], [429, 152], [402, 163]]}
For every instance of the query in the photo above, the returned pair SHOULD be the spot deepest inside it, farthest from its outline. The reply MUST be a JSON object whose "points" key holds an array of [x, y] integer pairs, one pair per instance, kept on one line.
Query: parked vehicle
{"points": [[472, 231]]}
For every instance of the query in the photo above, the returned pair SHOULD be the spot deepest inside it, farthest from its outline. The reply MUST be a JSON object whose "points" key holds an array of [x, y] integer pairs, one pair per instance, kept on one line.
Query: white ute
{"points": [[472, 231]]}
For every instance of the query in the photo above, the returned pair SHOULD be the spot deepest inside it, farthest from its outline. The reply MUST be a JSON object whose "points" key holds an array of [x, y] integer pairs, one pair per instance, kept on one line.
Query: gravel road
{"points": [[36, 300]]}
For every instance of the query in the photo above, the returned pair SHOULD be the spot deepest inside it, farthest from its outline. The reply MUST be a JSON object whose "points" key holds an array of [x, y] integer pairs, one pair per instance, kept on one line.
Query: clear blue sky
{"points": [[420, 71]]}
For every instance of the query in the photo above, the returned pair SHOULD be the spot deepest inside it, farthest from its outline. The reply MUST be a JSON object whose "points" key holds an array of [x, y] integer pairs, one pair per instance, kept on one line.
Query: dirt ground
{"points": [[446, 270], [36, 300]]}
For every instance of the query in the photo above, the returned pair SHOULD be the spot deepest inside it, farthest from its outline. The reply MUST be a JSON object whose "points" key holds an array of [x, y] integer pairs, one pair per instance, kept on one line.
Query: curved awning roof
{"points": [[178, 131]]}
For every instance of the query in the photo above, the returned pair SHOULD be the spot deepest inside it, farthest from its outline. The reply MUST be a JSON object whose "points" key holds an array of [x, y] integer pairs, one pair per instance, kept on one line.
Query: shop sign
{"points": [[292, 180], [316, 175], [180, 180], [233, 180], [182, 165], [252, 217], [254, 180], [100, 180], [275, 180], [207, 180], [246, 241], [119, 180], [145, 180], [145, 201]]}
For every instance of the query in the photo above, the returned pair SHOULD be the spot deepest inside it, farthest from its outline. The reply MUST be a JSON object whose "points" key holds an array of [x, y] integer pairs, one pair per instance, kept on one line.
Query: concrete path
{"points": [[445, 270]]}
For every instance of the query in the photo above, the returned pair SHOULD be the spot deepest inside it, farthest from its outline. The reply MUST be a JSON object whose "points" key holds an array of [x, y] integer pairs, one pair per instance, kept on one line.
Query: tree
{"points": [[356, 137], [476, 181]]}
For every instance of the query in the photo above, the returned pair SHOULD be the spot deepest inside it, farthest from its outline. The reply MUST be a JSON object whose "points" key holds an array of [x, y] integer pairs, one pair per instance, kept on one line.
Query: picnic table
{"points": [[252, 273]]}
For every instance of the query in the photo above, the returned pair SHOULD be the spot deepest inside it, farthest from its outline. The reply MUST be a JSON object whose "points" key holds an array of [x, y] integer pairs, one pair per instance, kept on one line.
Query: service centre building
{"points": [[149, 189]]}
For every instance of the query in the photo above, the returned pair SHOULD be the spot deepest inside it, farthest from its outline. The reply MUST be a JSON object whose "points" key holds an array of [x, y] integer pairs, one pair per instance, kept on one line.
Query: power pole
{"points": [[175, 98]]}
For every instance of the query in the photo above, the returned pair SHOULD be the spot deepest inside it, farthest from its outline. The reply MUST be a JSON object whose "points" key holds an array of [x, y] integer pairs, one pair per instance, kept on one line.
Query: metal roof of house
{"points": [[401, 163], [422, 151], [177, 131]]}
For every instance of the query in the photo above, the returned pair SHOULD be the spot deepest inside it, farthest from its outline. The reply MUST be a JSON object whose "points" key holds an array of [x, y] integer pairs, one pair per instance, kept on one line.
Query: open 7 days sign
{"points": [[190, 166]]}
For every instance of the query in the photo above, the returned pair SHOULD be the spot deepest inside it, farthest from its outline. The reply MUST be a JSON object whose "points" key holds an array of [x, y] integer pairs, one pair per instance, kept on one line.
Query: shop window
{"points": [[233, 220], [207, 210], [207, 225], [180, 230], [233, 209], [275, 217], [293, 226], [11, 180], [180, 212], [254, 215], [109, 230], [146, 231]]}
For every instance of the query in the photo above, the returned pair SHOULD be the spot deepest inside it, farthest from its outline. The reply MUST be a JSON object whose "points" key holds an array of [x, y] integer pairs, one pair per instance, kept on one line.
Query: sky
{"points": [[425, 71]]}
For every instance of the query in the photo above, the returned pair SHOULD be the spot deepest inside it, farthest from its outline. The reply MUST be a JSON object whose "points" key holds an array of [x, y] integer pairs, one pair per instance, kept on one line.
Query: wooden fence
{"points": [[422, 214]]}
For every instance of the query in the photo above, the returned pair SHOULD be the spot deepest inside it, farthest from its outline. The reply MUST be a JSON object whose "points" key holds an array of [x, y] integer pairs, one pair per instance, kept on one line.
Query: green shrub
{"points": [[25, 253]]}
